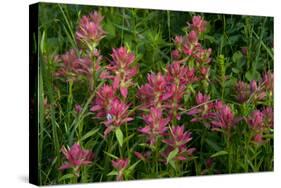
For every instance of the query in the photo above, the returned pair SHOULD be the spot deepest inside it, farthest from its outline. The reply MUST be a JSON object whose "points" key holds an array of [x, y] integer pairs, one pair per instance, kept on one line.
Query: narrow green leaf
{"points": [[172, 155], [89, 134], [110, 155], [42, 42], [67, 176], [119, 136], [213, 145], [112, 173], [132, 167], [173, 164], [219, 153]]}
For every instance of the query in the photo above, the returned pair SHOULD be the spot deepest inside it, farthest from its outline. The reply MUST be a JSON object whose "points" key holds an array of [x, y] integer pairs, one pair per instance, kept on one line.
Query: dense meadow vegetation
{"points": [[130, 94]]}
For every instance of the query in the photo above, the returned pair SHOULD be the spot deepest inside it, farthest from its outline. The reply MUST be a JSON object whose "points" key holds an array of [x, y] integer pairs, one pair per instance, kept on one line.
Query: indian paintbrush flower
{"points": [[260, 122], [178, 139], [78, 108], [116, 116], [268, 117], [72, 65], [121, 70], [102, 103], [90, 31], [244, 91], [201, 111], [155, 126], [76, 158], [155, 92], [120, 165], [222, 116], [198, 24], [268, 81]]}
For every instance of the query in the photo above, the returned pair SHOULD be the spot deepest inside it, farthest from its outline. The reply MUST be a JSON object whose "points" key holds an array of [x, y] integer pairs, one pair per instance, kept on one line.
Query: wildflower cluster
{"points": [[76, 158], [107, 104], [188, 48], [214, 114], [261, 123], [90, 31], [168, 120], [120, 165], [163, 94], [256, 91]]}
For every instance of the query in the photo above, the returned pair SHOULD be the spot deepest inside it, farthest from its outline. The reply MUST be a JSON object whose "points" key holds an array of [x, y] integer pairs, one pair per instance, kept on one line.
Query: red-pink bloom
{"points": [[189, 49], [175, 102], [268, 117], [76, 157], [102, 103], [198, 24], [120, 165], [177, 73], [209, 162], [256, 120], [222, 116], [155, 126], [143, 156], [71, 66], [201, 111], [78, 108], [65, 63], [90, 31], [242, 90], [253, 86], [260, 123], [121, 69], [193, 37], [258, 138], [155, 92], [122, 58], [116, 116], [139, 155], [188, 46], [178, 40], [201, 55], [268, 81], [244, 51], [178, 138], [178, 76], [201, 98], [176, 54]]}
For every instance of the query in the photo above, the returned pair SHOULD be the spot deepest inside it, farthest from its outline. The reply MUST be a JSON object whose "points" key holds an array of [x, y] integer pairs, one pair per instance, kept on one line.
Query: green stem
{"points": [[156, 156], [229, 149], [69, 101]]}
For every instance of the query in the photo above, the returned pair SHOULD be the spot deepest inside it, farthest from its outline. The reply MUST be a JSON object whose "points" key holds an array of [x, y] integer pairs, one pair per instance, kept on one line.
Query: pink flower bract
{"points": [[76, 157], [90, 31], [155, 126]]}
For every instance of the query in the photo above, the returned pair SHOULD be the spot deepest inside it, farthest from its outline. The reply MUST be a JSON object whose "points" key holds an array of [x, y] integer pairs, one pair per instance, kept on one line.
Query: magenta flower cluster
{"points": [[256, 91], [162, 95], [189, 48], [121, 70], [161, 99], [260, 122], [90, 31], [108, 105], [214, 114], [178, 139], [76, 158], [120, 165]]}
